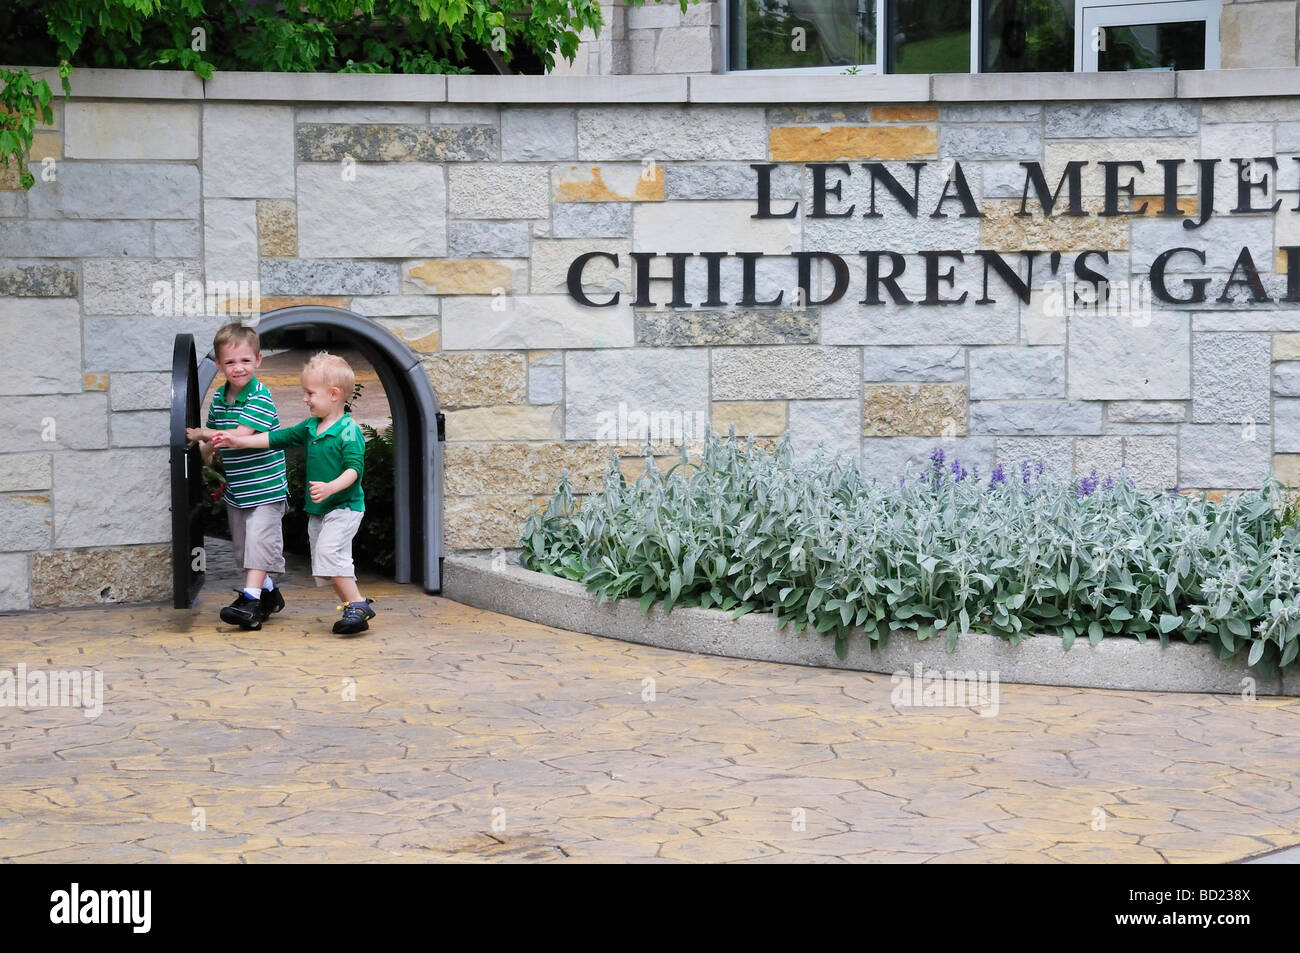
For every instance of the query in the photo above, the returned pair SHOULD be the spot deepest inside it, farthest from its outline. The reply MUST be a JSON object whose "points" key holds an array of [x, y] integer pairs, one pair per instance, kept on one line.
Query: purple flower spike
{"points": [[1041, 468], [1024, 471], [936, 458], [998, 478], [958, 471]]}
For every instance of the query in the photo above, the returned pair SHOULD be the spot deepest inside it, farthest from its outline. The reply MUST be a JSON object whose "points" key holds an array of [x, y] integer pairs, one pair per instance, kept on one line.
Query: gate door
{"points": [[188, 558]]}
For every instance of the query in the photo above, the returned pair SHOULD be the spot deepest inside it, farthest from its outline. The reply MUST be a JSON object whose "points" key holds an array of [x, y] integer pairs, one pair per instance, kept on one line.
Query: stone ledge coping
{"points": [[1115, 663], [734, 88]]}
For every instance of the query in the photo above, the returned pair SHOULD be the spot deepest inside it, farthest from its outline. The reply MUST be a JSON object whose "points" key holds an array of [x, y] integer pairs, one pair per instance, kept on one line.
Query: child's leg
{"points": [[345, 587]]}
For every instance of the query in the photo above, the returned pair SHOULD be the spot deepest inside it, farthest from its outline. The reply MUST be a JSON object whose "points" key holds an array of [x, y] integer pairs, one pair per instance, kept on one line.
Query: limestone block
{"points": [[807, 372], [603, 389], [1230, 378], [529, 133], [130, 130], [1224, 456], [515, 191], [914, 410], [385, 211], [1123, 358], [913, 363], [42, 345], [731, 133], [84, 515], [477, 379], [1008, 372], [95, 576], [248, 151], [532, 322]]}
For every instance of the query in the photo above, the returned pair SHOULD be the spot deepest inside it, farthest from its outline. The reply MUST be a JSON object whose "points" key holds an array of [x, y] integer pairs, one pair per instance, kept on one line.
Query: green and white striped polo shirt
{"points": [[253, 477]]}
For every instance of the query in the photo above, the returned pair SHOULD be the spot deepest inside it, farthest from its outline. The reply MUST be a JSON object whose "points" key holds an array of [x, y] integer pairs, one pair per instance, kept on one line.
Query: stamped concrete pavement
{"points": [[452, 734]]}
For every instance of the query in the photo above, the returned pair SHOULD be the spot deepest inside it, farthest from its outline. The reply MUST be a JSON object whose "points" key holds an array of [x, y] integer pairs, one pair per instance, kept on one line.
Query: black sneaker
{"points": [[354, 618], [272, 600], [245, 612]]}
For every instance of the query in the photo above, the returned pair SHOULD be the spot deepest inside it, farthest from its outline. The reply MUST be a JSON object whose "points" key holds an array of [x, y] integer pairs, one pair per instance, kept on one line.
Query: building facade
{"points": [[1088, 268]]}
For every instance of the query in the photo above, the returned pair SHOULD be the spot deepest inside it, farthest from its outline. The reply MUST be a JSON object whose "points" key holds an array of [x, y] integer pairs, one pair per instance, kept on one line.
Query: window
{"points": [[1162, 35], [959, 36]]}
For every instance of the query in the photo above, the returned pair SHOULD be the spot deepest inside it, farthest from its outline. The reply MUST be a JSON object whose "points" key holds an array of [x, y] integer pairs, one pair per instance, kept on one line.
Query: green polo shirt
{"points": [[253, 477], [341, 446]]}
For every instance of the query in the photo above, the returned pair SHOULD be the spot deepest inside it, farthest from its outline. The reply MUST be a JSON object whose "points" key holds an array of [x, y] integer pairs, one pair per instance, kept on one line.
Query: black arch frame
{"points": [[418, 545]]}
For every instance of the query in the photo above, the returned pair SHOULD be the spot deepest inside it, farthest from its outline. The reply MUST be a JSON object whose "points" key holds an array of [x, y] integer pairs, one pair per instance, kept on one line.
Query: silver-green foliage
{"points": [[744, 529]]}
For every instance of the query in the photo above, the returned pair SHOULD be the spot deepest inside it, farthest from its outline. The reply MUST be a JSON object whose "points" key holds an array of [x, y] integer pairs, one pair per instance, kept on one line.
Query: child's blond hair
{"points": [[236, 333], [334, 371]]}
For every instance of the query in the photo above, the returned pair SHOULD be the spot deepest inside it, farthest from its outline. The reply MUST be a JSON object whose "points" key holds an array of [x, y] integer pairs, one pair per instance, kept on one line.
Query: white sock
{"points": [[268, 584], [253, 593]]}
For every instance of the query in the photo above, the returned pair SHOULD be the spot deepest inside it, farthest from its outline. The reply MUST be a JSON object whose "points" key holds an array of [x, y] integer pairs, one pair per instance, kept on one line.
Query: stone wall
{"points": [[449, 210]]}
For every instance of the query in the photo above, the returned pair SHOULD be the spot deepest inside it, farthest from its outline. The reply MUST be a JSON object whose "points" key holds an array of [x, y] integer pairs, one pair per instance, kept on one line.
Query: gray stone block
{"points": [[487, 240], [1016, 372], [797, 372], [591, 220], [835, 425], [669, 328], [139, 391], [115, 190], [1134, 358], [650, 382], [75, 239], [1286, 424], [55, 422], [13, 204], [142, 344], [1138, 120], [499, 191], [529, 133], [1221, 238], [141, 428], [545, 383], [1001, 141], [134, 286], [1230, 378], [176, 239], [887, 458], [136, 510], [817, 115], [732, 133], [386, 211], [24, 522], [728, 181], [1138, 412], [1152, 462], [326, 277], [1035, 417], [248, 149], [15, 583], [25, 471], [1286, 379], [37, 281], [42, 346], [333, 143], [913, 364], [990, 112], [1055, 453], [1105, 455], [1224, 456]]}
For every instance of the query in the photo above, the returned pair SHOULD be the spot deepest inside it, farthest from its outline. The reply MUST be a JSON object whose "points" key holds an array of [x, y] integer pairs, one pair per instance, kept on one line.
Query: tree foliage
{"points": [[327, 36]]}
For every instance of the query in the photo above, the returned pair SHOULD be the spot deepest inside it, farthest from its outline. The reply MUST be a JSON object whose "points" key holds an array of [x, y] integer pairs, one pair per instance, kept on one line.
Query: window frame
{"points": [[1092, 14]]}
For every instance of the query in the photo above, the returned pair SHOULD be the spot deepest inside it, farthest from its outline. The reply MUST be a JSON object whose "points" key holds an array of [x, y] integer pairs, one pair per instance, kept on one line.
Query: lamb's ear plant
{"points": [[939, 552]]}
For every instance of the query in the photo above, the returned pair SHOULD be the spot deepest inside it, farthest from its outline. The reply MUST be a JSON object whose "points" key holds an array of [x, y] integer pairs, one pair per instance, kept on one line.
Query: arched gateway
{"points": [[417, 440]]}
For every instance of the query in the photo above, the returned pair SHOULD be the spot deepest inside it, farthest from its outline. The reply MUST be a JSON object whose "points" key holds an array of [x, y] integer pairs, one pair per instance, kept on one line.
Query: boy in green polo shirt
{"points": [[256, 482], [336, 453]]}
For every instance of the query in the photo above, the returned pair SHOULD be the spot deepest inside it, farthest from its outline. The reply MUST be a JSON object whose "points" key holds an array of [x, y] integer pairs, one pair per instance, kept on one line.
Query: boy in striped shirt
{"points": [[256, 482]]}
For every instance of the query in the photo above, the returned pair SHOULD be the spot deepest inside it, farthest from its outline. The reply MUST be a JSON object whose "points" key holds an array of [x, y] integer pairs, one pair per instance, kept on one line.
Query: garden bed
{"points": [[1119, 663]]}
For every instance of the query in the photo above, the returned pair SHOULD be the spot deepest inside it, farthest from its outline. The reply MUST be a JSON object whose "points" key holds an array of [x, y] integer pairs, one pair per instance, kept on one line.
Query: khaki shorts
{"points": [[258, 536], [331, 543]]}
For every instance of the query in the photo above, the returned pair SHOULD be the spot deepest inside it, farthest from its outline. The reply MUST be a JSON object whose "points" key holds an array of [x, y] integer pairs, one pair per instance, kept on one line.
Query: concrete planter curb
{"points": [[1115, 663]]}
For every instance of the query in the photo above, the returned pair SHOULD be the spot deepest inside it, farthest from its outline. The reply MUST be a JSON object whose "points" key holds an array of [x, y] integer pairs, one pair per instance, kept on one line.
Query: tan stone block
{"points": [[1187, 204], [276, 303], [476, 378], [904, 113], [277, 228], [531, 468], [46, 145], [762, 418], [1001, 230], [485, 522], [578, 183], [1286, 467], [914, 410], [468, 276], [519, 422], [9, 176], [95, 382], [815, 144], [1286, 347], [90, 576], [1257, 35], [552, 258]]}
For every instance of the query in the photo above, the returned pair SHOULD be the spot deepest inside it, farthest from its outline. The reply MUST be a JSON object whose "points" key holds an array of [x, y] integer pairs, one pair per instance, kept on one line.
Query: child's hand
{"points": [[195, 434], [224, 438], [319, 491]]}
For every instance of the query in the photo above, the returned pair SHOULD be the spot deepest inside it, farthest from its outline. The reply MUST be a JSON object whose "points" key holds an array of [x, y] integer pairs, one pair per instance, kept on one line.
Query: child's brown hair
{"points": [[236, 333]]}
